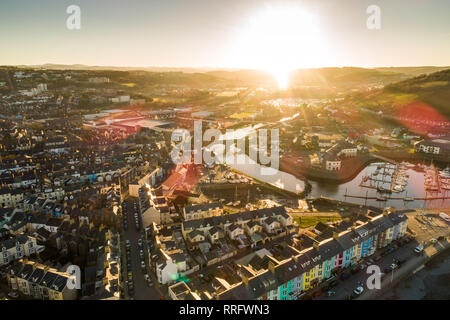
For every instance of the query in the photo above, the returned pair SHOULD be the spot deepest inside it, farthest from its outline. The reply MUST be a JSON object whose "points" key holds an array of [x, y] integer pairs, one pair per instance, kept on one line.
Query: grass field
{"points": [[309, 221]]}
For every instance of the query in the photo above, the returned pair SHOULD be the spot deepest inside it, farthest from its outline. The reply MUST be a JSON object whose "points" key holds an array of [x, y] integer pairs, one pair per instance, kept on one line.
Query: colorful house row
{"points": [[287, 279]]}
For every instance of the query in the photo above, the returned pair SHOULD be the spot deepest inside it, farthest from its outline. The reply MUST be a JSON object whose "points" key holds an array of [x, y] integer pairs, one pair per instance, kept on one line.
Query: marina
{"points": [[386, 184]]}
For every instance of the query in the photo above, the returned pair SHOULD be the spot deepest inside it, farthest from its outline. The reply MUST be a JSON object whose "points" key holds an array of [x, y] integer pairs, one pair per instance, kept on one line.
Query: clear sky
{"points": [[200, 33]]}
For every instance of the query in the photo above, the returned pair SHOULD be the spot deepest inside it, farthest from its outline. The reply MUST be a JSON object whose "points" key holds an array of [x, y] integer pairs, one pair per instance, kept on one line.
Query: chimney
{"points": [[244, 279], [271, 266]]}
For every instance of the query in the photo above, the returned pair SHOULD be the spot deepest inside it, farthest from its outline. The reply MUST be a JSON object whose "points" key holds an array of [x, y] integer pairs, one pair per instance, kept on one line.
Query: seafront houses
{"points": [[286, 279], [40, 281]]}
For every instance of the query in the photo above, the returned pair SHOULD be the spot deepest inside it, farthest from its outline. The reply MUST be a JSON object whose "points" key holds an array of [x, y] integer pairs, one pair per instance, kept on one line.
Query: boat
{"points": [[408, 199], [379, 198]]}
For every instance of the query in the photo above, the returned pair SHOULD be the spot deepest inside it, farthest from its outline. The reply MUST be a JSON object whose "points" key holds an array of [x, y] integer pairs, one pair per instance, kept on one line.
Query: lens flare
{"points": [[279, 40]]}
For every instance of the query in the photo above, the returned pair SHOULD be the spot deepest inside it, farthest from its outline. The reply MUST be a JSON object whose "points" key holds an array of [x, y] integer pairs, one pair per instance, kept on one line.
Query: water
{"points": [[250, 167], [414, 188]]}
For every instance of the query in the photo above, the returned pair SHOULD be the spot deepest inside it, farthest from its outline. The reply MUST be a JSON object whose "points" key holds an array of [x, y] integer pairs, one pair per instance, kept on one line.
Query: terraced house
{"points": [[18, 248], [287, 279], [40, 281]]}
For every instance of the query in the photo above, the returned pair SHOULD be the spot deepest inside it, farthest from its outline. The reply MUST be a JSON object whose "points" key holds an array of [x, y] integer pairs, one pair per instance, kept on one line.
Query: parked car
{"points": [[358, 290], [394, 266], [128, 243], [387, 269], [143, 265], [13, 295], [418, 249], [433, 241]]}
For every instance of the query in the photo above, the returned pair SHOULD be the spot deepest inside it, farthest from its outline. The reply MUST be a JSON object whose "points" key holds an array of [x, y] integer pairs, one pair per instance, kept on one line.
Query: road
{"points": [[141, 290], [432, 227]]}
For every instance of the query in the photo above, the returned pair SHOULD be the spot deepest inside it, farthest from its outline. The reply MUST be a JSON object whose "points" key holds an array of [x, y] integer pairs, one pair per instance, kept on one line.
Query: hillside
{"points": [[431, 91]]}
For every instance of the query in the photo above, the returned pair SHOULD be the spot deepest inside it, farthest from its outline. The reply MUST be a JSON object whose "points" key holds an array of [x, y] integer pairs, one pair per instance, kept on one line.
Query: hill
{"points": [[431, 91]]}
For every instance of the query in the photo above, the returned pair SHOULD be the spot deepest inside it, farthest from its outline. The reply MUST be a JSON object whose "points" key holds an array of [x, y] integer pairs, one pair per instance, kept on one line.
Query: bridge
{"points": [[384, 158]]}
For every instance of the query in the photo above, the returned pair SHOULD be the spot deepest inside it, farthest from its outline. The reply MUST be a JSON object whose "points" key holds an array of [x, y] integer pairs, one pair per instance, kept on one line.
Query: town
{"points": [[88, 180]]}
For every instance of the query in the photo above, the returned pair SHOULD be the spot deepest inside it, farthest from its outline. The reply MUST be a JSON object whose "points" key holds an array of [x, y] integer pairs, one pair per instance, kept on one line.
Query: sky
{"points": [[226, 33]]}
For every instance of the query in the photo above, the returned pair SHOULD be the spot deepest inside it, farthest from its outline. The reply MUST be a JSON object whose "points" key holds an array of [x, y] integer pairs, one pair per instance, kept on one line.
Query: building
{"points": [[436, 147], [181, 291], [306, 268], [342, 149], [18, 248], [201, 211], [40, 281]]}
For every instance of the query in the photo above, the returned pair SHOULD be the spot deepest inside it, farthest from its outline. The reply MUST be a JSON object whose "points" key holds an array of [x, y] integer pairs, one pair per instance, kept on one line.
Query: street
{"points": [[141, 289], [425, 228]]}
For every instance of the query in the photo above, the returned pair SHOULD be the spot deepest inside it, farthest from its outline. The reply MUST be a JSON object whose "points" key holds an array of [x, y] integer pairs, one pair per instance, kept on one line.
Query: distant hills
{"points": [[51, 66], [431, 89], [341, 79]]}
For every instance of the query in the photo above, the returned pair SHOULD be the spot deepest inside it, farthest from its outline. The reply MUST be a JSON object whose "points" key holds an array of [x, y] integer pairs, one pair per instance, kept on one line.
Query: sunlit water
{"points": [[413, 189]]}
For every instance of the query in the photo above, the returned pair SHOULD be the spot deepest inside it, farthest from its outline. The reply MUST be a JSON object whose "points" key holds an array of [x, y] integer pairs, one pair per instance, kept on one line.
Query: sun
{"points": [[278, 40]]}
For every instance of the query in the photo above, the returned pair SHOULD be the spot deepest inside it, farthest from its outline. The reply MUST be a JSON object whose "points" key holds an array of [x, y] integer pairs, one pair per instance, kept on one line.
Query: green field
{"points": [[306, 222]]}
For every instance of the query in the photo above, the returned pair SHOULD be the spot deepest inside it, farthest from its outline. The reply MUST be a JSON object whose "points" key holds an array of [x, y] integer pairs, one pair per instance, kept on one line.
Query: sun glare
{"points": [[279, 40]]}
